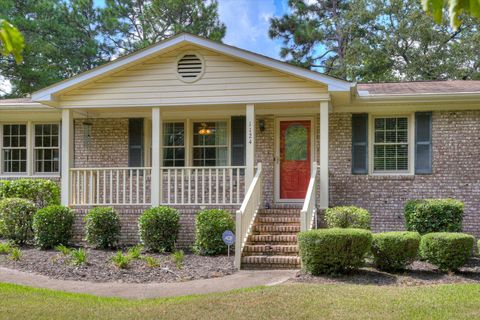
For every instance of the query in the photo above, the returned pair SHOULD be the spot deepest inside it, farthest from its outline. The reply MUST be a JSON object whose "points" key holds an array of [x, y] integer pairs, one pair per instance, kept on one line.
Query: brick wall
{"points": [[456, 172], [108, 146]]}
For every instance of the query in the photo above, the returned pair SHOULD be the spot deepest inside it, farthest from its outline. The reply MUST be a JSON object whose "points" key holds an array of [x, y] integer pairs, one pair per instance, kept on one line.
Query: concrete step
{"points": [[270, 262], [276, 229], [289, 239], [269, 250]]}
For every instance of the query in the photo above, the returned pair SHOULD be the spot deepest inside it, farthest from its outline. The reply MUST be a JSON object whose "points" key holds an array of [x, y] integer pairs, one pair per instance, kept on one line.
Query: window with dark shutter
{"points": [[360, 143], [423, 142], [238, 141], [135, 142]]}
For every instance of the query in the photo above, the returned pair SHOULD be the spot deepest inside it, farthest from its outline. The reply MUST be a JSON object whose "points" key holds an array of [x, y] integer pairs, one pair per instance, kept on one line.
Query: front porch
{"points": [[104, 163]]}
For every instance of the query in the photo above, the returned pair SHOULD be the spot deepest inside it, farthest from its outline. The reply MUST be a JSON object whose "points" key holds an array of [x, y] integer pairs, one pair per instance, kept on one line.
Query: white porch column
{"points": [[323, 157], [250, 147], [156, 183], [67, 155]]}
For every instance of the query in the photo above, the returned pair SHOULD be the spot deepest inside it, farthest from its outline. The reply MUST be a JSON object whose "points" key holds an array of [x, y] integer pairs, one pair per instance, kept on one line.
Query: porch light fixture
{"points": [[204, 130], [261, 125]]}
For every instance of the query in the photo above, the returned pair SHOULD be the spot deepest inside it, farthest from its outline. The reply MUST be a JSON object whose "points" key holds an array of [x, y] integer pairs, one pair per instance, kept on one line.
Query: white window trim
{"points": [[411, 144], [33, 148], [188, 139], [30, 173]]}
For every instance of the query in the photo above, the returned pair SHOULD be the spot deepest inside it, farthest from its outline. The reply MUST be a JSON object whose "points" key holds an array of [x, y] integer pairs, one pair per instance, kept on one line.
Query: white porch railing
{"points": [[202, 185], [246, 215], [110, 186], [178, 186], [308, 213]]}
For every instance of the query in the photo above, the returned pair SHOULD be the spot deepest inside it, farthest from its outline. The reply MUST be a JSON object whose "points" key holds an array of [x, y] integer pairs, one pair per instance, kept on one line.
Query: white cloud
{"points": [[5, 86], [247, 23]]}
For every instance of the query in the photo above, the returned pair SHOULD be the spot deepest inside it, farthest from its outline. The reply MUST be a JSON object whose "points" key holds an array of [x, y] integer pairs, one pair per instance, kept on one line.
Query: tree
{"points": [[377, 40], [11, 41], [130, 25], [62, 39], [455, 8]]}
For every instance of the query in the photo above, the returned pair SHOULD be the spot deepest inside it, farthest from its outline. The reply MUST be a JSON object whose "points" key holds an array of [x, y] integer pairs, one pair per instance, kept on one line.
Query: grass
{"points": [[291, 301]]}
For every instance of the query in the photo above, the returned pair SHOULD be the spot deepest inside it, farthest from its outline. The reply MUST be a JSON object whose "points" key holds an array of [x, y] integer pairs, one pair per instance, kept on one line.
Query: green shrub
{"points": [[210, 225], [151, 262], [63, 250], [78, 256], [53, 225], [333, 251], [447, 250], [434, 215], [5, 248], [395, 250], [178, 257], [17, 215], [102, 227], [41, 192], [347, 217], [121, 260], [158, 228], [135, 252], [16, 254]]}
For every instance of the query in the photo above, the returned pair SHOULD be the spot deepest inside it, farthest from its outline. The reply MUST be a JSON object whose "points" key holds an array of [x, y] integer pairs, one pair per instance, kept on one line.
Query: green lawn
{"points": [[292, 301]]}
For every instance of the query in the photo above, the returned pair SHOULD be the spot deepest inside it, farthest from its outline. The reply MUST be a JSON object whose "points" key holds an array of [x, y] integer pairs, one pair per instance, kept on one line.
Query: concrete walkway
{"points": [[241, 279]]}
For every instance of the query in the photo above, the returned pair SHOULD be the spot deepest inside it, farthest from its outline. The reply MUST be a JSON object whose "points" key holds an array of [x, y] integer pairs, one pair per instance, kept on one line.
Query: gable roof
{"points": [[333, 84], [419, 87]]}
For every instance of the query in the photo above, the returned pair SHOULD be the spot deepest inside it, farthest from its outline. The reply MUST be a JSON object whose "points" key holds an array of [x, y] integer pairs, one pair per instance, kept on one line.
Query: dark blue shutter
{"points": [[238, 140], [423, 142], [360, 143], [135, 142]]}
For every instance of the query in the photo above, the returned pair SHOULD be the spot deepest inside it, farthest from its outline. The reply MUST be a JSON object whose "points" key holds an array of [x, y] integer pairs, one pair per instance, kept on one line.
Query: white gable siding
{"points": [[226, 80]]}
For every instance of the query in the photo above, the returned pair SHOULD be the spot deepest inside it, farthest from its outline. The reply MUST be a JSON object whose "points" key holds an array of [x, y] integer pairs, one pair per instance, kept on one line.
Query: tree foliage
{"points": [[131, 25], [11, 41], [455, 9], [377, 40], [66, 37]]}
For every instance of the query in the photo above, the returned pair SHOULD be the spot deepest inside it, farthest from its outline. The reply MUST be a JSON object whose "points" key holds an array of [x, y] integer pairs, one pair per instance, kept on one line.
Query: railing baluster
{"points": [[130, 173], [183, 187], [175, 195], [231, 185], [203, 186], [224, 187], [238, 185], [196, 186], [104, 186], [216, 186], [168, 186], [189, 173], [138, 184], [210, 186], [124, 186], [144, 198]]}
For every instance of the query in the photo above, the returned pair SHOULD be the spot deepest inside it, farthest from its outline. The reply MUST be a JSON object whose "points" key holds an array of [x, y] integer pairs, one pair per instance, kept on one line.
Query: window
{"points": [[14, 148], [210, 147], [174, 144], [47, 151], [391, 144]]}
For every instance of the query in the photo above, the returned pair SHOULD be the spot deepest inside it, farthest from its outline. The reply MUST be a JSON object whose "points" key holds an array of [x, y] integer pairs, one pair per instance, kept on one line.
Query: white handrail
{"points": [[246, 215], [308, 213]]}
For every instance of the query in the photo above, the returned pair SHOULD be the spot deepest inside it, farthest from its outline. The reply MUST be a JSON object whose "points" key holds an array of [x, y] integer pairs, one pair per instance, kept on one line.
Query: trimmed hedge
{"points": [[102, 227], [333, 251], [347, 217], [449, 251], [434, 215], [158, 228], [53, 226], [16, 216], [210, 225], [393, 251], [41, 192]]}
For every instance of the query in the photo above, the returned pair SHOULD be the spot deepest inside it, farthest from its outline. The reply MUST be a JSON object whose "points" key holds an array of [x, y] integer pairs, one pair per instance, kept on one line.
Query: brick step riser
{"points": [[250, 266], [270, 250], [287, 230], [272, 238], [269, 254], [279, 212], [277, 221]]}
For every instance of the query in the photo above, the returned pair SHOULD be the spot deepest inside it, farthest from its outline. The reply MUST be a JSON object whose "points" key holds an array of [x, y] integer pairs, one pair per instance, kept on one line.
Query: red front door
{"points": [[294, 158]]}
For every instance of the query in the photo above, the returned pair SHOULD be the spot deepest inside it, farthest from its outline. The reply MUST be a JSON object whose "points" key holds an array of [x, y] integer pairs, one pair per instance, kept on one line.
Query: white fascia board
{"points": [[334, 85]]}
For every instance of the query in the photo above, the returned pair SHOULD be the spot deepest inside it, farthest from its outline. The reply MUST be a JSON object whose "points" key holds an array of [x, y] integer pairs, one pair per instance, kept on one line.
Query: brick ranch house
{"points": [[193, 123]]}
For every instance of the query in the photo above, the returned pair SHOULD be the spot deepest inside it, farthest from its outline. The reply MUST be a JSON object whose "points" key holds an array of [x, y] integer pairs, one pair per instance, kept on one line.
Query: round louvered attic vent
{"points": [[190, 67]]}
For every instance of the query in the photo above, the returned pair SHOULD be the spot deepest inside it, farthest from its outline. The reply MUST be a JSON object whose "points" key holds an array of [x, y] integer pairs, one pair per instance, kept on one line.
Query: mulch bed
{"points": [[99, 267], [419, 273]]}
